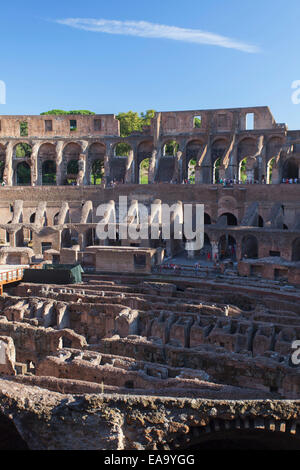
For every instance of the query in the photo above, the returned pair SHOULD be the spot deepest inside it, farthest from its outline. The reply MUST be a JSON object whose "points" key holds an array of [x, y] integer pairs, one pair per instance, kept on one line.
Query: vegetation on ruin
{"points": [[132, 122], [60, 112], [23, 150]]}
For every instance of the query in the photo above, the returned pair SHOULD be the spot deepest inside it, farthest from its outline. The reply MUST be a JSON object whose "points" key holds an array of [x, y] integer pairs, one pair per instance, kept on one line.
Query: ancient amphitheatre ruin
{"points": [[150, 352]]}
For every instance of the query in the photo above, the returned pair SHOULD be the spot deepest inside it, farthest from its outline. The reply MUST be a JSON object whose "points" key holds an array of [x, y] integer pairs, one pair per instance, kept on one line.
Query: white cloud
{"points": [[145, 29]]}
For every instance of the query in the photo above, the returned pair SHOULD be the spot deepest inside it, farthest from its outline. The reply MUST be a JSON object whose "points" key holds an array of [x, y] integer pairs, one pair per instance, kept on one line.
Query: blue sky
{"points": [[46, 64]]}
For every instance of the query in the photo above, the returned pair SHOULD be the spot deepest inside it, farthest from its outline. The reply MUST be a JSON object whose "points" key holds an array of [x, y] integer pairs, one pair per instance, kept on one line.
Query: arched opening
{"points": [[296, 250], [170, 148], [216, 171], [290, 169], [270, 170], [66, 238], [247, 148], [55, 219], [260, 221], [227, 247], [32, 218], [122, 149], [22, 150], [249, 247], [71, 154], [144, 154], [192, 153], [144, 171], [49, 173], [96, 156], [10, 439], [191, 171], [166, 163], [20, 238], [97, 172], [229, 218], [23, 174], [207, 219], [242, 170]]}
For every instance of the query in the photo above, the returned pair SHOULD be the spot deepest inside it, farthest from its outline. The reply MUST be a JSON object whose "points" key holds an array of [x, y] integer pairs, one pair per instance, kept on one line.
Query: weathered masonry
{"points": [[210, 144]]}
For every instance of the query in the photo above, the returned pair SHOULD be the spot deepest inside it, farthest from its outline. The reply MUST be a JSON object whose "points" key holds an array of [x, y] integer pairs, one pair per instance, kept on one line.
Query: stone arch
{"points": [[218, 150], [192, 151], [22, 150], [95, 170], [47, 163], [71, 154], [166, 164], [296, 249], [229, 218], [248, 169], [144, 171], [249, 247], [169, 148], [121, 149], [144, 154], [270, 164]]}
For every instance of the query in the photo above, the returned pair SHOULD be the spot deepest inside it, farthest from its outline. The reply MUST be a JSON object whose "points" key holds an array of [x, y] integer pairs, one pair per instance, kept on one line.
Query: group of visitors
{"points": [[290, 180]]}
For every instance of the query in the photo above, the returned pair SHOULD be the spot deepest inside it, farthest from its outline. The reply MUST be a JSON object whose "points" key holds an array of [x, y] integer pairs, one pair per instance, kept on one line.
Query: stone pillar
{"points": [[81, 177], [59, 163], [34, 164], [106, 168], [8, 167], [232, 171], [176, 173], [12, 238], [129, 176], [152, 167], [276, 175]]}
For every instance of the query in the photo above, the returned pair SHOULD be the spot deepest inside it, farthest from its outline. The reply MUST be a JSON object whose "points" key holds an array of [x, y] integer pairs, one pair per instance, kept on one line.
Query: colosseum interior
{"points": [[159, 347]]}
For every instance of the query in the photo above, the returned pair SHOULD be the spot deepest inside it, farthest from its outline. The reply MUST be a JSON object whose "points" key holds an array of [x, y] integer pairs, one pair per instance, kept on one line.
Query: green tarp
{"points": [[54, 274]]}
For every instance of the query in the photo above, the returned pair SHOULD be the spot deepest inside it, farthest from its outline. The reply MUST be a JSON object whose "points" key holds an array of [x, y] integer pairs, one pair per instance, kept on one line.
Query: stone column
{"points": [[129, 176], [59, 163], [152, 166], [34, 164], [106, 168], [176, 173], [12, 238], [8, 167], [81, 177]]}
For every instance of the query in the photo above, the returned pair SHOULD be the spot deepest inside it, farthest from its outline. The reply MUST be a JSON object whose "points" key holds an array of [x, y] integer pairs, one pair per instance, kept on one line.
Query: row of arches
{"points": [[47, 154]]}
